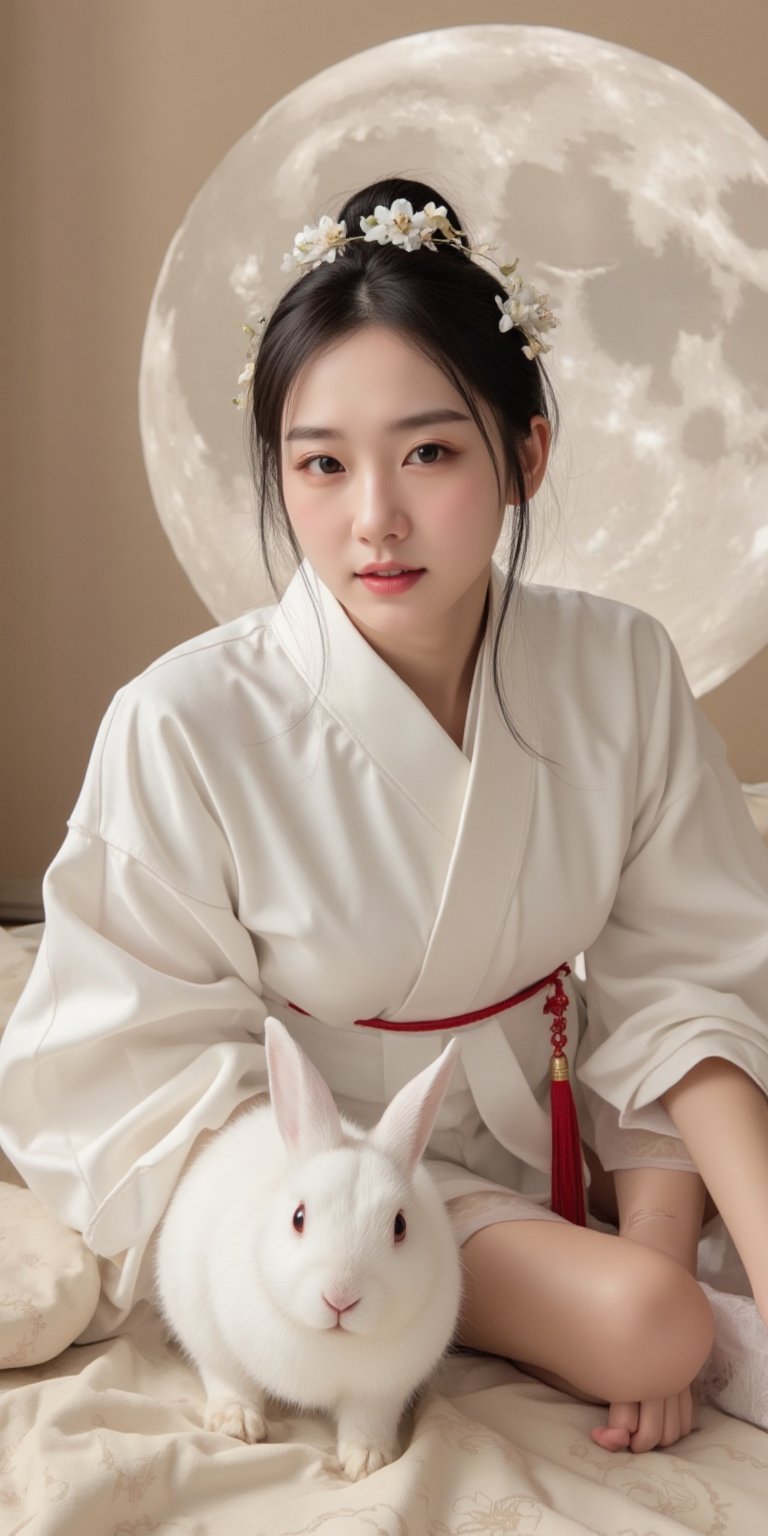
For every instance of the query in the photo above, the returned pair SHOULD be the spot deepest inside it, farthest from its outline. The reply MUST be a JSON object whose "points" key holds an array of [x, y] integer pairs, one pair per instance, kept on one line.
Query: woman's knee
{"points": [[659, 1327], [619, 1320]]}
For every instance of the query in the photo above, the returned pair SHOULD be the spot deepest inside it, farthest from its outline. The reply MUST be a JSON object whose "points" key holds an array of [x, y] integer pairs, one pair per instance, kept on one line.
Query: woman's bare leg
{"points": [[605, 1319], [602, 1191]]}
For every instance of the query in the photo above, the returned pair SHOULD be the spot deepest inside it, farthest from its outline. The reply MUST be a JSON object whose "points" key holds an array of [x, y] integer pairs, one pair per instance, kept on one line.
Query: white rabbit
{"points": [[305, 1257]]}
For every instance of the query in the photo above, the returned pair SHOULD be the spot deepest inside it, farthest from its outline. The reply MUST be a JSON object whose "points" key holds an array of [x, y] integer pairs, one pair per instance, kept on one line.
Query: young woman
{"points": [[391, 808]]}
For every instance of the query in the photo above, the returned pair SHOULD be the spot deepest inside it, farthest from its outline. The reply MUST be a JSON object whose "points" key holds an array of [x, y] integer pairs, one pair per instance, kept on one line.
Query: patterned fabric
{"points": [[108, 1438]]}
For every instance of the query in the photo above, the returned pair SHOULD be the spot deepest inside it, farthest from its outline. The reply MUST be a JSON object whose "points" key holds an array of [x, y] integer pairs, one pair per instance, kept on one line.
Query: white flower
{"points": [[250, 361], [315, 243], [437, 217], [398, 225], [526, 310]]}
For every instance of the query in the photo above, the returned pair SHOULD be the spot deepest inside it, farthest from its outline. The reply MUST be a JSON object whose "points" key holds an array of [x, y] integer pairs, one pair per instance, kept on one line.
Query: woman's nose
{"points": [[379, 511]]}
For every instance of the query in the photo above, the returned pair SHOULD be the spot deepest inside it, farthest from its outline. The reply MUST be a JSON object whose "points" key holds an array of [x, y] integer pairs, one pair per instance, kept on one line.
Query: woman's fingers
{"points": [[646, 1426], [671, 1428], [623, 1419], [650, 1428], [686, 1411]]}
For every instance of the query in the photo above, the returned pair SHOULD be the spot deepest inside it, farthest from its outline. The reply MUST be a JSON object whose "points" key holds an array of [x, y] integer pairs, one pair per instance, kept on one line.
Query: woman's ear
{"points": [[534, 454]]}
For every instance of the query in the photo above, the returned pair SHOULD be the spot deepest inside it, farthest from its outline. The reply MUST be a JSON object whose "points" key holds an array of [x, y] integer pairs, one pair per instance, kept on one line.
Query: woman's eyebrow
{"points": [[421, 419]]}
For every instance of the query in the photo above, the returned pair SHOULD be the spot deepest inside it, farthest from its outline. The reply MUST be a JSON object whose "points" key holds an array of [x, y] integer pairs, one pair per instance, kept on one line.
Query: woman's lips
{"points": [[390, 586]]}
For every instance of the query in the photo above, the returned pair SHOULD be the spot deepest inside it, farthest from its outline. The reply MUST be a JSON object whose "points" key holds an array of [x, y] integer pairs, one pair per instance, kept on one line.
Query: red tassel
{"points": [[567, 1197], [567, 1179]]}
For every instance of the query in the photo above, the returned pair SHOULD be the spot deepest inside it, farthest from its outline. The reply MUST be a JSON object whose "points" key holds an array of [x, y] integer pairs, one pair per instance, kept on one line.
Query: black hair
{"points": [[444, 304]]}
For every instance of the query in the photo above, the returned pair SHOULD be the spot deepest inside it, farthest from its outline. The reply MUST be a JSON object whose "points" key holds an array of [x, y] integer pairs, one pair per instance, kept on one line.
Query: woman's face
{"points": [[366, 483]]}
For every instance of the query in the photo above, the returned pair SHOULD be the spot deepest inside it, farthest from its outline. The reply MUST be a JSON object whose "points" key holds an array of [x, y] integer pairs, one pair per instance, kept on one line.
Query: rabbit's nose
{"points": [[340, 1304]]}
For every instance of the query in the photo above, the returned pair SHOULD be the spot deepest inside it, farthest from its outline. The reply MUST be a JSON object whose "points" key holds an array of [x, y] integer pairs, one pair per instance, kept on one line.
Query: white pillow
{"points": [[49, 1281]]}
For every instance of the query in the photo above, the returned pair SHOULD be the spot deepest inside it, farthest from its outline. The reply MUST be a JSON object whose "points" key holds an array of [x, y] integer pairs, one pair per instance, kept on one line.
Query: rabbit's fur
{"points": [[303, 1257]]}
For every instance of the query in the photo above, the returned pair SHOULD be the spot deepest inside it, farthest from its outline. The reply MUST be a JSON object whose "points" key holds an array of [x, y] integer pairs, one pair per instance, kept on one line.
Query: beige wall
{"points": [[119, 110]]}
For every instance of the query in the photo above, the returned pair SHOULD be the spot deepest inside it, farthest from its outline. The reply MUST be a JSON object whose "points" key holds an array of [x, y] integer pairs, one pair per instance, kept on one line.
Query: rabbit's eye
{"points": [[399, 1227], [298, 1218]]}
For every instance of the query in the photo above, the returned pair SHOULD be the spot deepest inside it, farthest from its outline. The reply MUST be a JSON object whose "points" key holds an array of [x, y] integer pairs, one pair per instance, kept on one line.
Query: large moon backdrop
{"points": [[635, 197]]}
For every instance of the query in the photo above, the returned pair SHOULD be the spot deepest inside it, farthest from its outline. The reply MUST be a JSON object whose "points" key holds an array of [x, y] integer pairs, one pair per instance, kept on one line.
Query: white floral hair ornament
{"points": [[523, 309]]}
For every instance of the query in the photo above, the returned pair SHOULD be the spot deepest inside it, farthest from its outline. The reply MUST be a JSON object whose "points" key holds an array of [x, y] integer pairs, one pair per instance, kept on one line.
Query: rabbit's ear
{"points": [[406, 1124], [307, 1117]]}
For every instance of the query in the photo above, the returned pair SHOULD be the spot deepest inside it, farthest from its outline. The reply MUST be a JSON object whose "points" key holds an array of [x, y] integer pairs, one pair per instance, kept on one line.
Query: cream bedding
{"points": [[107, 1439]]}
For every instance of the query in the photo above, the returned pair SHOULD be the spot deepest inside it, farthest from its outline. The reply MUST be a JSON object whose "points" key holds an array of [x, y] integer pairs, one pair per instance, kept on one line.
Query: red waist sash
{"points": [[567, 1179], [458, 1019]]}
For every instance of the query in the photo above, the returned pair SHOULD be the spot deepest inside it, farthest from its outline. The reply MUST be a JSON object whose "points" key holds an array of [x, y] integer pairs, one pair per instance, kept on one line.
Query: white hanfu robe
{"points": [[253, 837]]}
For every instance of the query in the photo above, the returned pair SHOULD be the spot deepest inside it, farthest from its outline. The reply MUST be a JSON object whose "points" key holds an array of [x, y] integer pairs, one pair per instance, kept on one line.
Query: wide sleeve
{"points": [[679, 971], [135, 1031]]}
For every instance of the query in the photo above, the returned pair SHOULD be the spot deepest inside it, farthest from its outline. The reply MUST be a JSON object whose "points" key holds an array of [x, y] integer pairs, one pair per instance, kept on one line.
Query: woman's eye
{"points": [[430, 448], [319, 458]]}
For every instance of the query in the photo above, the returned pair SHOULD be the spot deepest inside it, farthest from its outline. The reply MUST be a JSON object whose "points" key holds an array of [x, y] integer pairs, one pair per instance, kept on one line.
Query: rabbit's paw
{"points": [[358, 1461], [241, 1420]]}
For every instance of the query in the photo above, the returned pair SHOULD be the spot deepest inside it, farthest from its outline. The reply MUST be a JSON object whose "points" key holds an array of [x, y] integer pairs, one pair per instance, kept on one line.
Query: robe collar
{"points": [[369, 698]]}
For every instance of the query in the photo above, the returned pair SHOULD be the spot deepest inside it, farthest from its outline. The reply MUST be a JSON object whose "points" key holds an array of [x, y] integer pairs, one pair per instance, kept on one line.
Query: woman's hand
{"points": [[644, 1426], [661, 1208]]}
